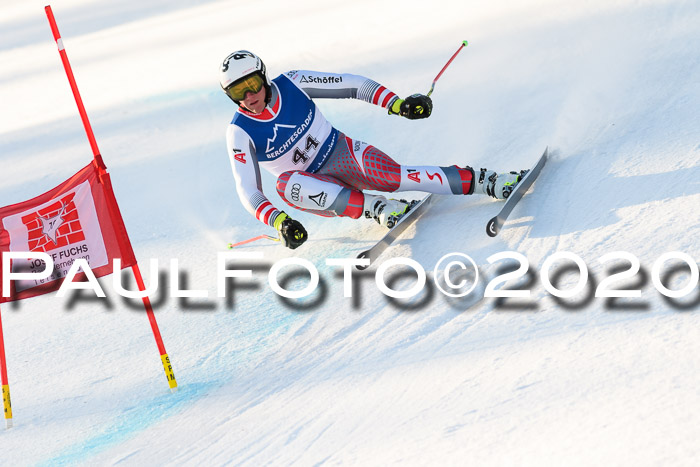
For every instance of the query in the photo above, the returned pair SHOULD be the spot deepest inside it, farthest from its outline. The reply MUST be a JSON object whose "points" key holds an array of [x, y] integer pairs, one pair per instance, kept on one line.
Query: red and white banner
{"points": [[77, 219]]}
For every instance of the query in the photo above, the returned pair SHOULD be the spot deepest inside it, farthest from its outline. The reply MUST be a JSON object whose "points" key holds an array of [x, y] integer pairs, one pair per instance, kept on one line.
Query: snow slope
{"points": [[611, 86]]}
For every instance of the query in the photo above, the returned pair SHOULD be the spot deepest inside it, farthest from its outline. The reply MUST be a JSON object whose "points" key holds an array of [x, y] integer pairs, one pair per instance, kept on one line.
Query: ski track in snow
{"points": [[609, 86]]}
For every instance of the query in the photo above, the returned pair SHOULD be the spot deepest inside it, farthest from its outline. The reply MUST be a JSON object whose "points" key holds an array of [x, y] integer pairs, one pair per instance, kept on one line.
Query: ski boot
{"points": [[386, 212], [499, 186]]}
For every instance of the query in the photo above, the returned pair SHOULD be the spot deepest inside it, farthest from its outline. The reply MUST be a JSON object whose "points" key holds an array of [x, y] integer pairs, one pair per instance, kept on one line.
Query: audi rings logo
{"points": [[296, 189]]}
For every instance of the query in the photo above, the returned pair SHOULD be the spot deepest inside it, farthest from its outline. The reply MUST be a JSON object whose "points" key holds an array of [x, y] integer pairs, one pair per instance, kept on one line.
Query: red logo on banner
{"points": [[55, 226]]}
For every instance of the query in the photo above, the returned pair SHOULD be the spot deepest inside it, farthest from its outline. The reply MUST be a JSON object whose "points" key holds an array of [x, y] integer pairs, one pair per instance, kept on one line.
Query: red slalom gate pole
{"points": [[7, 406], [167, 367], [165, 360], [464, 44], [74, 88]]}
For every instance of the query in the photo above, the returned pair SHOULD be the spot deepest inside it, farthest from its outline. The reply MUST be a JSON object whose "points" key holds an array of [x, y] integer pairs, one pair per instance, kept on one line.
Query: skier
{"points": [[319, 169]]}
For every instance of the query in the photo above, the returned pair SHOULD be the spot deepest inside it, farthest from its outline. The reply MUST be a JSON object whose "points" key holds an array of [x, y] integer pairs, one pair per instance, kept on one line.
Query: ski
{"points": [[409, 218], [496, 223]]}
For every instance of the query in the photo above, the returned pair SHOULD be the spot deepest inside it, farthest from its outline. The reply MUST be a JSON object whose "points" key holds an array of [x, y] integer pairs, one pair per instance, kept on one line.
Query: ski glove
{"points": [[413, 107], [292, 234]]}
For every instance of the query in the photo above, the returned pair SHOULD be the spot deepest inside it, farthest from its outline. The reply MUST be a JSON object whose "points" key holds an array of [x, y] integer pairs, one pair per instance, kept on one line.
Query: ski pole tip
{"points": [[465, 43]]}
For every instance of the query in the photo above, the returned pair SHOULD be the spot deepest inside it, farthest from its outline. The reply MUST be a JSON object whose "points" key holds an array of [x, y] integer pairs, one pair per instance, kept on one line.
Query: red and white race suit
{"points": [[318, 168]]}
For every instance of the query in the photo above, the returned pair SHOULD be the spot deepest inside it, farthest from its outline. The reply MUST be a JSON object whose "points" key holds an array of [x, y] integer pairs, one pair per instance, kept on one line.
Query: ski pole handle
{"points": [[432, 87]]}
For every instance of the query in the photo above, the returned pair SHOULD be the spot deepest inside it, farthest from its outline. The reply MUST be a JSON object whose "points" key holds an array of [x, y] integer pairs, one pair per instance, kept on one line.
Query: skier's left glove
{"points": [[413, 107], [292, 234]]}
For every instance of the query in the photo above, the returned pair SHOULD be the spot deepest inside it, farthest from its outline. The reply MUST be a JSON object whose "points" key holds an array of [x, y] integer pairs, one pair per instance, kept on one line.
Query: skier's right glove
{"points": [[292, 234], [413, 107]]}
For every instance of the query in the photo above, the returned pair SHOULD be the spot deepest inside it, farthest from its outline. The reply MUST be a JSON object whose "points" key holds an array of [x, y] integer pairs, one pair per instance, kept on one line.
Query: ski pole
{"points": [[259, 237], [464, 44]]}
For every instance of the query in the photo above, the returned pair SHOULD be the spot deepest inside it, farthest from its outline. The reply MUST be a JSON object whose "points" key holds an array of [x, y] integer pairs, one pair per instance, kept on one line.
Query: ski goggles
{"points": [[238, 89]]}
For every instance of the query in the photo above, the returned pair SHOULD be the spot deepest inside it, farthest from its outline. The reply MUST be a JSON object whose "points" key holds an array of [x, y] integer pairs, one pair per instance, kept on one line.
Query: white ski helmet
{"points": [[239, 65]]}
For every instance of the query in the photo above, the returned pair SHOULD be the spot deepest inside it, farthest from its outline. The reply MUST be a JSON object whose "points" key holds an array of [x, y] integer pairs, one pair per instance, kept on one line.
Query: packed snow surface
{"points": [[612, 87]]}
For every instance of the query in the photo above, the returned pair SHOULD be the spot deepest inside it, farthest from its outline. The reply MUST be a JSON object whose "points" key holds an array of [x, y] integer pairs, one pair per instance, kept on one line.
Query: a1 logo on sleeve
{"points": [[239, 156]]}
